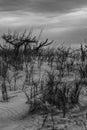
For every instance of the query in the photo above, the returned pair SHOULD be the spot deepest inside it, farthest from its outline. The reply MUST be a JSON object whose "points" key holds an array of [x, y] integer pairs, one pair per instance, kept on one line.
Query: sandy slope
{"points": [[13, 112], [13, 116]]}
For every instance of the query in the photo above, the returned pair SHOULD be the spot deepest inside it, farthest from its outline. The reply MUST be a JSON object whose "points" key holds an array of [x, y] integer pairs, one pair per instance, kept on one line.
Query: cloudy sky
{"points": [[61, 20]]}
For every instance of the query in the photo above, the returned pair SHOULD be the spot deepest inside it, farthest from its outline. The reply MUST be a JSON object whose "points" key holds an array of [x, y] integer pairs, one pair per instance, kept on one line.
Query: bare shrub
{"points": [[61, 94], [74, 94]]}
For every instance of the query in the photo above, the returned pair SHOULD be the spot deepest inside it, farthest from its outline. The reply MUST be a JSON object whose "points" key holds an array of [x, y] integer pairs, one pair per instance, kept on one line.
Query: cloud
{"points": [[74, 19], [61, 19], [45, 6], [67, 25], [20, 18]]}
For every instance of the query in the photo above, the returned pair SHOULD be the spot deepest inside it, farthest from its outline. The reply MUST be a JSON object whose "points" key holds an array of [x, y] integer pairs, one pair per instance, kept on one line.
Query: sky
{"points": [[64, 21]]}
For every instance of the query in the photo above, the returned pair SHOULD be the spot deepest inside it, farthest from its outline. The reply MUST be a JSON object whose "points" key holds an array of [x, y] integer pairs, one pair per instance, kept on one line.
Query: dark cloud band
{"points": [[43, 6]]}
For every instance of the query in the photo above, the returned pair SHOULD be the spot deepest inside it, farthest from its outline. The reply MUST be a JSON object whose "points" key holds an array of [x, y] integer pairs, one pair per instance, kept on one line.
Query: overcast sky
{"points": [[62, 20]]}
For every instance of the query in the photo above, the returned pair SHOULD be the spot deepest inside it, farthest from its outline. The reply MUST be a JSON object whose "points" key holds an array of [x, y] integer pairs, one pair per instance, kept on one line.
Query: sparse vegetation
{"points": [[52, 79]]}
